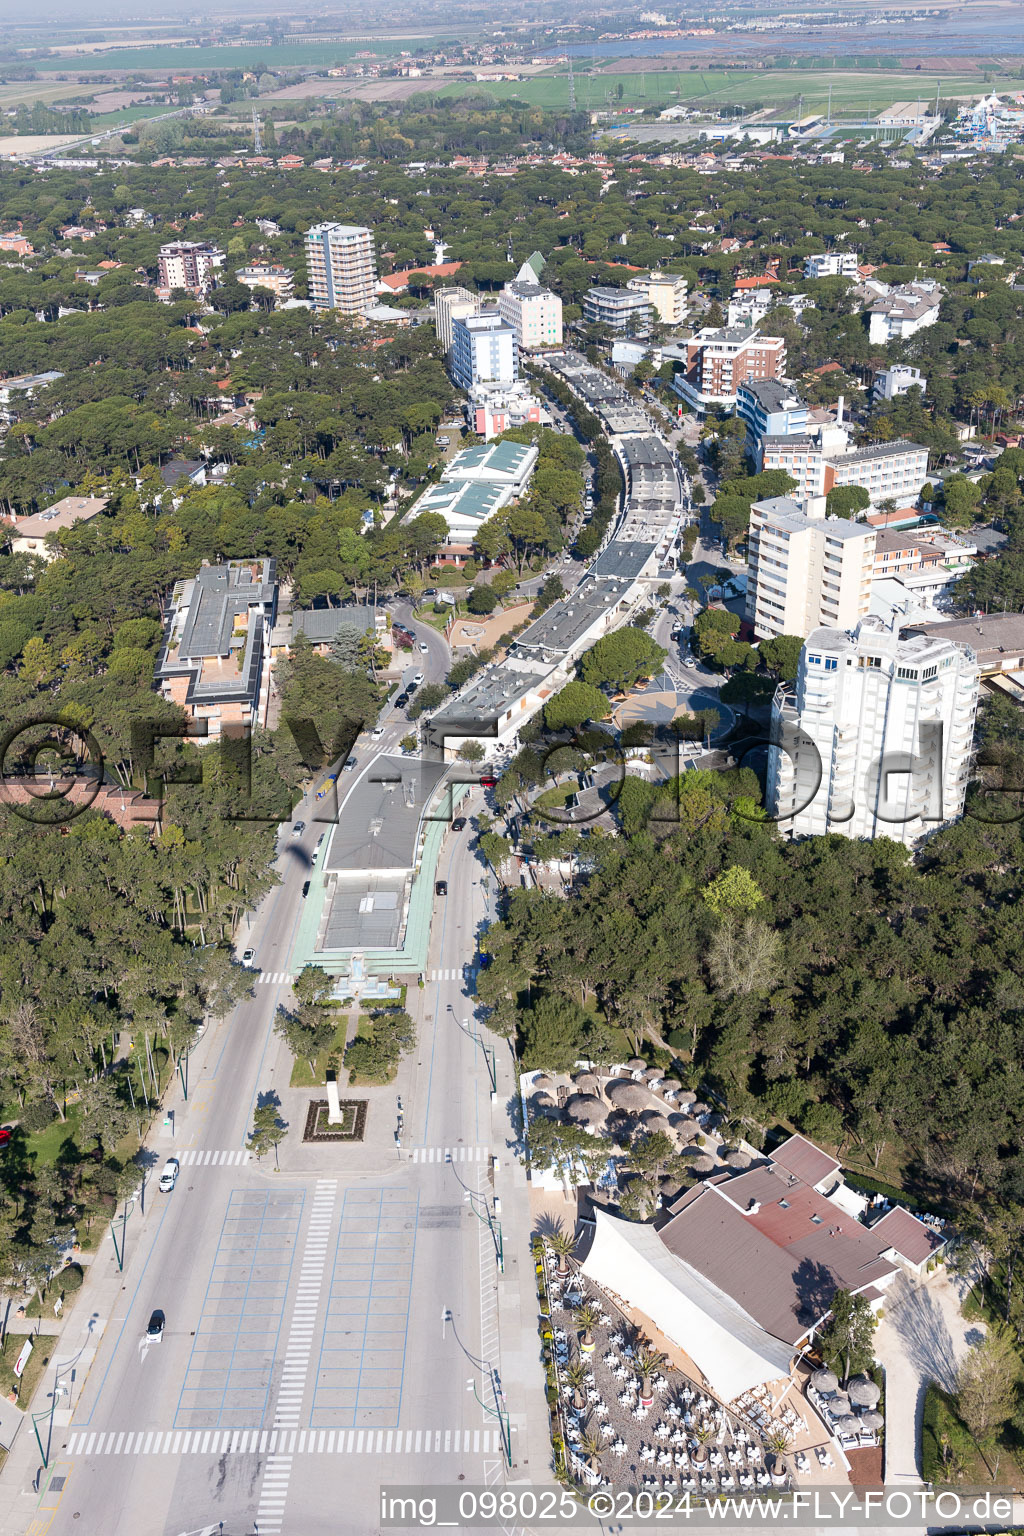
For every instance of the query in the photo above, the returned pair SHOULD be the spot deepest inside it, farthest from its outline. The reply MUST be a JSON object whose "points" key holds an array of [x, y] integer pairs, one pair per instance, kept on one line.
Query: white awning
{"points": [[733, 1352]]}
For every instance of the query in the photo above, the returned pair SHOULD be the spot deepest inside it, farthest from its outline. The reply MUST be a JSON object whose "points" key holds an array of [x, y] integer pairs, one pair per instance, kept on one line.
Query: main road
{"points": [[332, 1324]]}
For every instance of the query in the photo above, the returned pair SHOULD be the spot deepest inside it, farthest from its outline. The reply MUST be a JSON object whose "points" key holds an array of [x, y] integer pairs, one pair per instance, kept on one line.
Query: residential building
{"points": [[831, 264], [897, 380], [23, 384], [904, 312], [997, 639], [484, 350], [916, 572], [398, 282], [533, 312], [770, 408], [823, 458], [264, 274], [451, 304], [805, 569], [478, 483], [627, 311], [719, 360], [28, 534], [492, 408], [139, 218], [188, 264], [748, 307], [667, 294], [874, 739], [18, 244], [215, 657], [341, 267]]}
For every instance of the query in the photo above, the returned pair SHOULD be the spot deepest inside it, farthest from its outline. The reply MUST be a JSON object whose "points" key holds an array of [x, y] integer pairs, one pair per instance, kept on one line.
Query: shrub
{"points": [[70, 1279], [38, 1115]]}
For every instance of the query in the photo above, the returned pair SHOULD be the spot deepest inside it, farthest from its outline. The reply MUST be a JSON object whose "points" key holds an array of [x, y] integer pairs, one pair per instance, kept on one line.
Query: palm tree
{"points": [[704, 1434], [562, 1244], [575, 1374], [777, 1440], [586, 1319], [647, 1360], [590, 1447]]}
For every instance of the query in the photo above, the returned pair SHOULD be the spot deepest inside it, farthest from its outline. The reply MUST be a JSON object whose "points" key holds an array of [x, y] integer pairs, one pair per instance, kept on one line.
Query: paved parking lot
{"points": [[360, 1370], [229, 1370]]}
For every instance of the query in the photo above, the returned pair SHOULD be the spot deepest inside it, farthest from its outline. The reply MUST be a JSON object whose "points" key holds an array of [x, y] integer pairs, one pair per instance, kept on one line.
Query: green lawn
{"points": [[33, 1371], [853, 90], [302, 1077]]}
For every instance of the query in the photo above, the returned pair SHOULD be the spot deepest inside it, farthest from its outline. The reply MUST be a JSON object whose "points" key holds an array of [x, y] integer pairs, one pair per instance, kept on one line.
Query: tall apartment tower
{"points": [[451, 304], [875, 738], [806, 569], [341, 267], [188, 264], [533, 312], [484, 351]]}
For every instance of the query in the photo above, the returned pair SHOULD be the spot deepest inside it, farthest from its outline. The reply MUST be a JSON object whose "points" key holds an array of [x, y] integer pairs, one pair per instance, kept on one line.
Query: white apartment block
{"points": [[188, 264], [279, 280], [533, 312], [904, 311], [666, 292], [822, 459], [806, 569], [831, 264], [875, 737], [451, 304], [341, 267], [896, 380], [484, 351]]}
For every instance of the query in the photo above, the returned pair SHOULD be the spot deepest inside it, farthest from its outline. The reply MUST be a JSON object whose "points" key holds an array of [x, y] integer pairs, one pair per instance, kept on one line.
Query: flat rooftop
{"points": [[379, 818]]}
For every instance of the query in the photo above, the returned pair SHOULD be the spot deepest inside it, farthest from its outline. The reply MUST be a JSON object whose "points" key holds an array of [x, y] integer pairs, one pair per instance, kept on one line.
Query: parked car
{"points": [[5, 1135], [155, 1327], [458, 825], [248, 956], [417, 678], [168, 1176], [305, 888], [440, 887], [488, 780], [350, 763]]}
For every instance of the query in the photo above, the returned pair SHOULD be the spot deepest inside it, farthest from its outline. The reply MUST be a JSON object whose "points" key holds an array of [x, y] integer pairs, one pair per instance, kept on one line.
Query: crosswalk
{"points": [[282, 1442], [307, 1302], [206, 1157], [271, 978], [448, 1154], [453, 973]]}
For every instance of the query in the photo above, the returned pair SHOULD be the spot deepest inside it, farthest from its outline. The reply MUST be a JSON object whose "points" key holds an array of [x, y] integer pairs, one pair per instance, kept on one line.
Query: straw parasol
{"points": [[636, 1064], [654, 1122], [703, 1164], [541, 1103], [698, 1109], [848, 1424], [585, 1109], [586, 1082], [687, 1096], [824, 1380], [685, 1128], [839, 1406], [737, 1159], [629, 1095], [862, 1392], [872, 1420], [669, 1085], [654, 1074], [541, 1082]]}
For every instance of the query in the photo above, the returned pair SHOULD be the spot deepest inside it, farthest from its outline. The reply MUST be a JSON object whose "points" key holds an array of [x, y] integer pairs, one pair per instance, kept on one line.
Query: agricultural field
{"points": [[241, 56], [860, 90]]}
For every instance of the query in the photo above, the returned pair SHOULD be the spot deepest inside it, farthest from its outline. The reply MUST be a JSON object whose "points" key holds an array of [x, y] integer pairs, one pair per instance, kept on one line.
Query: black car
{"points": [[155, 1327], [459, 824], [401, 701], [440, 887], [305, 888]]}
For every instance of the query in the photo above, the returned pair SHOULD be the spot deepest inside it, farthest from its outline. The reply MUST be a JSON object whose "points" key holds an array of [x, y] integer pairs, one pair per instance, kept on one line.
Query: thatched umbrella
{"points": [[703, 1164], [715, 1120], [839, 1407], [654, 1074], [669, 1086], [698, 1109], [636, 1064], [629, 1095], [586, 1082], [542, 1104], [688, 1096], [862, 1392], [872, 1420], [684, 1128], [824, 1380], [541, 1083], [737, 1159], [585, 1109], [847, 1424], [654, 1122], [670, 1188]]}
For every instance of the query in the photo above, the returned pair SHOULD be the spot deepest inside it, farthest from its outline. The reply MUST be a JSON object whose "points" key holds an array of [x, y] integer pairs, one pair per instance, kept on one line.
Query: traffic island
{"points": [[350, 1124]]}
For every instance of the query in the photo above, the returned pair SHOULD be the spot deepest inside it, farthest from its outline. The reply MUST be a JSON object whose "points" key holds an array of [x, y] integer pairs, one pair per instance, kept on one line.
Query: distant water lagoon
{"points": [[995, 32]]}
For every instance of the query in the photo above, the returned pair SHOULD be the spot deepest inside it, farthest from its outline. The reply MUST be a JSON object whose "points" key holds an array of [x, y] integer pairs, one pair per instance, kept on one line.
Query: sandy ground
{"points": [[922, 1337], [481, 633]]}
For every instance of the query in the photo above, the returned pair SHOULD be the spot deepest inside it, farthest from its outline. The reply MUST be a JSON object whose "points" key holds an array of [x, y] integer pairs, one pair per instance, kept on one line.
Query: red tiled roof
{"points": [[399, 280], [755, 282]]}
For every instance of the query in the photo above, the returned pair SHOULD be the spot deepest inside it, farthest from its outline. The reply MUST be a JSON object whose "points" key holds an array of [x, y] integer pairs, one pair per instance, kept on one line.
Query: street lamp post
{"points": [[493, 1226], [500, 1412]]}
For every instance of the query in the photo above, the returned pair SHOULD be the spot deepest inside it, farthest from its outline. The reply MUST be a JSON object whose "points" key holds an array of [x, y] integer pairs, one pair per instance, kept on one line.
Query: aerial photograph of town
{"points": [[511, 767]]}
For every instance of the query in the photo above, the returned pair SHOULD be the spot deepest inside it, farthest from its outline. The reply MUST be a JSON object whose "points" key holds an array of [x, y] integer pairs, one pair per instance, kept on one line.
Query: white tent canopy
{"points": [[733, 1352]]}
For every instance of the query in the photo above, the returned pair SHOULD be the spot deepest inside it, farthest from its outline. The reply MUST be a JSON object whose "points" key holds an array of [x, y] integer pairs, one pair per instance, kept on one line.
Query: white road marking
{"points": [[449, 1154], [196, 1157]]}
